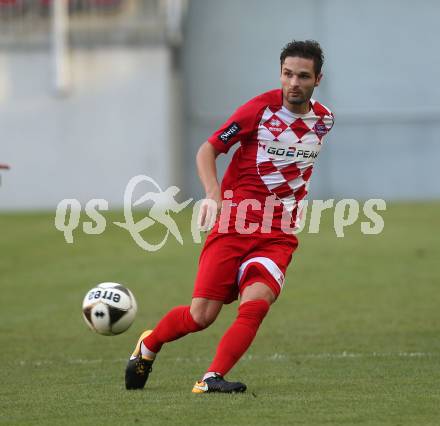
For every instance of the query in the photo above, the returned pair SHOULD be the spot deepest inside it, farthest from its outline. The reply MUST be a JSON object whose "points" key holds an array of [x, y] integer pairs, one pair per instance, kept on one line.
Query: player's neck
{"points": [[303, 108]]}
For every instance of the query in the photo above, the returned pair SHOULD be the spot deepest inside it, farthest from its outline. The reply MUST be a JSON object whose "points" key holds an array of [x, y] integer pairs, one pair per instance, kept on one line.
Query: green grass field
{"points": [[353, 339]]}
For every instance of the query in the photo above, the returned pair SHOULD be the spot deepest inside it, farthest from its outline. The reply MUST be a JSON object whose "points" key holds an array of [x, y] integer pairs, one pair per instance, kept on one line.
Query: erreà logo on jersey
{"points": [[232, 130], [275, 125]]}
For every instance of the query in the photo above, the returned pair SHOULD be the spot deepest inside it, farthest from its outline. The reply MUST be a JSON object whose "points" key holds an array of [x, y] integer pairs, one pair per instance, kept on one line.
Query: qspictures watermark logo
{"points": [[230, 216]]}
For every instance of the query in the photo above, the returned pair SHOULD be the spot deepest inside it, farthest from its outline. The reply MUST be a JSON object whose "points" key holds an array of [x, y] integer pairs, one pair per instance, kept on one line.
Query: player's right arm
{"points": [[236, 129], [207, 169]]}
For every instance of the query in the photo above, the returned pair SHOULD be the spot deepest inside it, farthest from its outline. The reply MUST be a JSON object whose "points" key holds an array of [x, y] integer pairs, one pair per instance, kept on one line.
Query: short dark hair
{"points": [[308, 49]]}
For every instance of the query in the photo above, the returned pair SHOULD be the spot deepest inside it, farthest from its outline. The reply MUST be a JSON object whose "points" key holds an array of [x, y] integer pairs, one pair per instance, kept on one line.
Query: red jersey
{"points": [[276, 156]]}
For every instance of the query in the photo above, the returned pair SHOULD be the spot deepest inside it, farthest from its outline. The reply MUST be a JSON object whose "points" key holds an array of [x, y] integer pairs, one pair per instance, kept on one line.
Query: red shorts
{"points": [[229, 262]]}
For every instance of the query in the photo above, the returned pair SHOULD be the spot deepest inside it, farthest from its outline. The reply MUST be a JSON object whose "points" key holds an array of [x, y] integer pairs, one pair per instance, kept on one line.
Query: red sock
{"points": [[239, 336], [175, 324]]}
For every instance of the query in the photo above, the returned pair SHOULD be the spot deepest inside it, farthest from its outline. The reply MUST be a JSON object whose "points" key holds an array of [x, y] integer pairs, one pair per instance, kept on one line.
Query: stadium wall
{"points": [[380, 80], [114, 124]]}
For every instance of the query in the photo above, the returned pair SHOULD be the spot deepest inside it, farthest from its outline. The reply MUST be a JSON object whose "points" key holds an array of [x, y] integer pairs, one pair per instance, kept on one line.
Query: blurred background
{"points": [[93, 92]]}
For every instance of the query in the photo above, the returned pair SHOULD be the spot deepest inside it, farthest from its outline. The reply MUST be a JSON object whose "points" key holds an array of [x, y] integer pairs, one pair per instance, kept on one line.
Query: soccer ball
{"points": [[109, 308]]}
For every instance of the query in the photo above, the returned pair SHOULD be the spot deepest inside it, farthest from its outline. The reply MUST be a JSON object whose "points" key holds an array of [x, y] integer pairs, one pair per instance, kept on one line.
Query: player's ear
{"points": [[281, 70], [318, 79]]}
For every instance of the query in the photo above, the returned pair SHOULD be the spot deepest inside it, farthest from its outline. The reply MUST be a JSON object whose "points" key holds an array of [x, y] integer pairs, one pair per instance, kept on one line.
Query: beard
{"points": [[304, 97], [298, 100]]}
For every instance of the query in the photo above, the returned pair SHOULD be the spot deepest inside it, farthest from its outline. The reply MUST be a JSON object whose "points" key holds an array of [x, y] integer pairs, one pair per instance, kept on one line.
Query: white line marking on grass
{"points": [[276, 357], [346, 354]]}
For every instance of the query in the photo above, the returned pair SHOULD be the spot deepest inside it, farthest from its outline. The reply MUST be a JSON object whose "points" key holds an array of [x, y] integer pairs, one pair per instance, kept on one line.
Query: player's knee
{"points": [[203, 318], [258, 291], [204, 312]]}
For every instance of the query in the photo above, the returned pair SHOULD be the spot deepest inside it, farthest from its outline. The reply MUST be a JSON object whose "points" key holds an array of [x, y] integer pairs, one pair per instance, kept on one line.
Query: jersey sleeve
{"points": [[237, 128]]}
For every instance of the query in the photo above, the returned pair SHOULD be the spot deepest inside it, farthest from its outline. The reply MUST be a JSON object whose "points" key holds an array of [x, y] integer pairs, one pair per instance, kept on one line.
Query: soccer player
{"points": [[251, 244]]}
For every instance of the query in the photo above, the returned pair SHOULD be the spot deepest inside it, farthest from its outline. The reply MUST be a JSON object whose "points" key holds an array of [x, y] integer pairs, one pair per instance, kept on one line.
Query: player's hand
{"points": [[209, 211]]}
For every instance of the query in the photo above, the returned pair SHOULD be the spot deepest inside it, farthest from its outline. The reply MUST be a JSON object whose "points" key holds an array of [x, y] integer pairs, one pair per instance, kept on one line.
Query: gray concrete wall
{"points": [[380, 80], [115, 124], [123, 115]]}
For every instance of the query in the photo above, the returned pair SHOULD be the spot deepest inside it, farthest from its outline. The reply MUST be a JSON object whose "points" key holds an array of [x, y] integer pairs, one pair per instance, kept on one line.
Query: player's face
{"points": [[298, 80]]}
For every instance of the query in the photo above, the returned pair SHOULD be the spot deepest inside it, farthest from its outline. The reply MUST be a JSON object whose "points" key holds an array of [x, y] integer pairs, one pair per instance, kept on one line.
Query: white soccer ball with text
{"points": [[109, 308]]}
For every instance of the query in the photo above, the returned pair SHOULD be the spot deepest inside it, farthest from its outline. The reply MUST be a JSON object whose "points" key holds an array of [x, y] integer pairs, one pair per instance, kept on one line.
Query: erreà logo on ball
{"points": [[232, 130]]}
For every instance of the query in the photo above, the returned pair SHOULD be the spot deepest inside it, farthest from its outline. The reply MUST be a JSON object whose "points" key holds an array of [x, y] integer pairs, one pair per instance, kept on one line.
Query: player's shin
{"points": [[239, 336], [177, 323]]}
